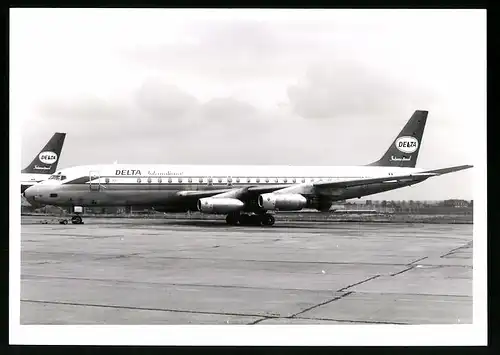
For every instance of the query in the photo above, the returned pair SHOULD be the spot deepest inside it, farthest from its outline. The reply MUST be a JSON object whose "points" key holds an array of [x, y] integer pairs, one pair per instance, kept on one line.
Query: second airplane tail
{"points": [[403, 152], [47, 159]]}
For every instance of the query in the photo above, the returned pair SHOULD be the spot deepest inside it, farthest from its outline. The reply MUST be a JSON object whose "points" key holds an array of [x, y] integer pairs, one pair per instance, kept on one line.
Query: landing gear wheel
{"points": [[268, 220], [76, 220], [232, 219], [255, 220], [244, 220]]}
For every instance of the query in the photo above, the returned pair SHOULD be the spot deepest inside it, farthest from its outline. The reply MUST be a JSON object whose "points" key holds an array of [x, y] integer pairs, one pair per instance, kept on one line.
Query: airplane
{"points": [[44, 164], [246, 194]]}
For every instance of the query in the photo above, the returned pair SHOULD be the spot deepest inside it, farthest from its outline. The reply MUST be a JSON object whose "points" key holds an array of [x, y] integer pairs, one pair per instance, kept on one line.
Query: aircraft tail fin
{"points": [[47, 159], [403, 151]]}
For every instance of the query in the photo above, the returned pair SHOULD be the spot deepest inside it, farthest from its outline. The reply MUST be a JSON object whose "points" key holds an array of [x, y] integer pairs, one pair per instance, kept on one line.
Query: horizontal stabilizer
{"points": [[449, 170]]}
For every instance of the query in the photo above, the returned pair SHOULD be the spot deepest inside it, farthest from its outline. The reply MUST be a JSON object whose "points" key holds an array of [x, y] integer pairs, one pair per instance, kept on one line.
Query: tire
{"points": [[232, 220], [76, 220], [267, 220], [255, 220], [244, 220]]}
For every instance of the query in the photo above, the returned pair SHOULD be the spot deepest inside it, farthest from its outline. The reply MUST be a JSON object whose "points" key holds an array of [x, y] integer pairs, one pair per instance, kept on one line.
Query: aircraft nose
{"points": [[32, 193]]}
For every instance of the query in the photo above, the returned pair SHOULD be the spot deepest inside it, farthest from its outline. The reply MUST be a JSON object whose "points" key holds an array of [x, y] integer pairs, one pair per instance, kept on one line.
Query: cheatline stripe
{"points": [[195, 180]]}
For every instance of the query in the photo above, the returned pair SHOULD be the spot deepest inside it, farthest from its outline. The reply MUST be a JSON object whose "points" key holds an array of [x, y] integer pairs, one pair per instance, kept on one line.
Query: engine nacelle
{"points": [[219, 205], [282, 202]]}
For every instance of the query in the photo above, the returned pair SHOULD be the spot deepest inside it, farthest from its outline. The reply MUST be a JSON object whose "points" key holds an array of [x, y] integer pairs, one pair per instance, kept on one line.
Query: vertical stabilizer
{"points": [[47, 159], [403, 152]]}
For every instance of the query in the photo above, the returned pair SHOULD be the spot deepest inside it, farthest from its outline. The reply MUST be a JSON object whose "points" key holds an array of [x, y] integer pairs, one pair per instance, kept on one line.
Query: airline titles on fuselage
{"points": [[133, 172]]}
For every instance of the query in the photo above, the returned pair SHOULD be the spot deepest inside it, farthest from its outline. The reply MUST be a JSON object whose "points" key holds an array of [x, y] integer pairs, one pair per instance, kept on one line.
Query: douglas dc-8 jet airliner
{"points": [[45, 163], [246, 194]]}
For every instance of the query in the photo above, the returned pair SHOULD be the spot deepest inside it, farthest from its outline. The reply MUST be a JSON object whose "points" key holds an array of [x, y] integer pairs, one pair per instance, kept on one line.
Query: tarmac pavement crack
{"points": [[321, 304], [259, 320], [121, 256], [350, 321], [402, 271], [465, 246], [143, 255], [416, 261], [358, 283], [115, 281], [147, 308]]}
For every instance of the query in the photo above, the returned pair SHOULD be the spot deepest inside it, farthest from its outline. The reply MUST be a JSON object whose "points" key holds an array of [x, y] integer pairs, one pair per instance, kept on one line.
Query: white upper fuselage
{"points": [[221, 174]]}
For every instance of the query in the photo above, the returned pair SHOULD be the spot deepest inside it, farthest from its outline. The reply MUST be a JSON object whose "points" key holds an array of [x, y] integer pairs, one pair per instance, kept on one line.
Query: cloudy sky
{"points": [[316, 87]]}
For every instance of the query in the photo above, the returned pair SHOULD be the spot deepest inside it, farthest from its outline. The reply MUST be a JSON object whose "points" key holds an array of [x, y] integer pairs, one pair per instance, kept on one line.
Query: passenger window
{"points": [[237, 180], [190, 180], [63, 177], [267, 180], [139, 180], [179, 179], [257, 180], [159, 180], [169, 180], [53, 195], [220, 180], [106, 180]]}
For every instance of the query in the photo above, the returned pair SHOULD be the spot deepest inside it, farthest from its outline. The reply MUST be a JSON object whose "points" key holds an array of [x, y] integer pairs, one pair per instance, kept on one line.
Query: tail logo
{"points": [[47, 157], [406, 144]]}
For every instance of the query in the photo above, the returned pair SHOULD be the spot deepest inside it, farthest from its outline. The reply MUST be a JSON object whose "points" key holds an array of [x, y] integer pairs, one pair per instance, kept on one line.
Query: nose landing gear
{"points": [[76, 219]]}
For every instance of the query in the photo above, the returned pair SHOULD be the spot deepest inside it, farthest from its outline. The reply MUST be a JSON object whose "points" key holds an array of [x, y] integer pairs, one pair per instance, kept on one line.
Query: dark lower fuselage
{"points": [[164, 197]]}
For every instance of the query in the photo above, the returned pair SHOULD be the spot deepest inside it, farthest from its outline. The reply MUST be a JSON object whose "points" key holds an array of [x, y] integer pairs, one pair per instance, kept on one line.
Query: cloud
{"points": [[234, 49], [87, 108], [345, 88], [164, 101], [227, 109]]}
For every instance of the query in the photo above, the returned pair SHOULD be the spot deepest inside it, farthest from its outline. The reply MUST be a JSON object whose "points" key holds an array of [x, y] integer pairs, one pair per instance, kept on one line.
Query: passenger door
{"points": [[94, 180]]}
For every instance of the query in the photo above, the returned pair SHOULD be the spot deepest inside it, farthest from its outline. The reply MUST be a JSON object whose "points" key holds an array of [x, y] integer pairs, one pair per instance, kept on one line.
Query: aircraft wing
{"points": [[250, 191], [201, 194], [231, 192]]}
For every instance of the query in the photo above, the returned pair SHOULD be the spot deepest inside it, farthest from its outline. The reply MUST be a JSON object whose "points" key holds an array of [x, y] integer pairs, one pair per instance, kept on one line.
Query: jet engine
{"points": [[219, 205], [282, 202]]}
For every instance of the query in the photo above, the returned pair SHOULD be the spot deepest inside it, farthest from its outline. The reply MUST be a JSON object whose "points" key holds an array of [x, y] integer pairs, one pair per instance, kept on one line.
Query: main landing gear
{"points": [[250, 220]]}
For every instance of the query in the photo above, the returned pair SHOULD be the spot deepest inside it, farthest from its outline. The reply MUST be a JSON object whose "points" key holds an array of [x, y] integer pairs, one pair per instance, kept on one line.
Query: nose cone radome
{"points": [[33, 195]]}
